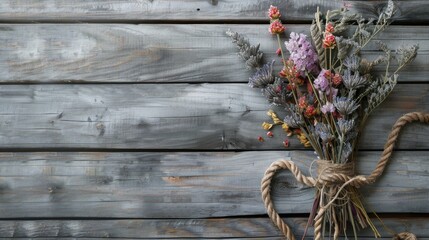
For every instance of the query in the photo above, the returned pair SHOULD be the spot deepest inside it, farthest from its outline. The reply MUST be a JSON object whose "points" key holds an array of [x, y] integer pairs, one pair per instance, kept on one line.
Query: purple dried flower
{"points": [[324, 132], [321, 83], [302, 53], [328, 108]]}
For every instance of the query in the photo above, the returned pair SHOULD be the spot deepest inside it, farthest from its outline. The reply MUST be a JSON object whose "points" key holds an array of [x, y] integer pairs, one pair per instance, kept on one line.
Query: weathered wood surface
{"points": [[155, 53], [171, 116], [244, 228], [185, 185], [162, 191], [193, 10]]}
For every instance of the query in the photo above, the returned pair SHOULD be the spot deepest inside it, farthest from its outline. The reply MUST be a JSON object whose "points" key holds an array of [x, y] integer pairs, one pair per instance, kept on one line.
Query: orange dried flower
{"points": [[310, 111]]}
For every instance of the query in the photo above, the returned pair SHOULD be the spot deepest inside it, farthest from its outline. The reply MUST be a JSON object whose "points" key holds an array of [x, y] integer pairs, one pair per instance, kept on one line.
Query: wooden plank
{"points": [[185, 185], [225, 228], [155, 53], [194, 10], [171, 116]]}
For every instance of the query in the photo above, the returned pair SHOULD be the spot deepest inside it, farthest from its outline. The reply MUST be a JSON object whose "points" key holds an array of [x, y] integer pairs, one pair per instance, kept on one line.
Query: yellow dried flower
{"points": [[304, 140], [274, 116], [267, 126]]}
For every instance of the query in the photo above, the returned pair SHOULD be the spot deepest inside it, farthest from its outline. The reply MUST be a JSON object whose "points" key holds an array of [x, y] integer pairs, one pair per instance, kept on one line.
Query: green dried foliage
{"points": [[249, 53], [317, 37]]}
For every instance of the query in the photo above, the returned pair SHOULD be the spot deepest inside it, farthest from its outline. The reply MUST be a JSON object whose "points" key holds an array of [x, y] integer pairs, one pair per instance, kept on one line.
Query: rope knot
{"points": [[330, 174]]}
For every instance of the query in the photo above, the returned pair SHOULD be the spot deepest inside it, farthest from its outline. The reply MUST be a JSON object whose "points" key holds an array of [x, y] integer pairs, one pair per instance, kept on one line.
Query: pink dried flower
{"points": [[279, 51], [337, 79], [302, 102], [274, 13], [329, 28], [329, 41], [286, 143], [276, 27]]}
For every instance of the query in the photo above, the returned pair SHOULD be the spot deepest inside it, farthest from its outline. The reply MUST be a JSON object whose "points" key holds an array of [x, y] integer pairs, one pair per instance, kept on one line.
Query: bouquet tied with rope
{"points": [[329, 90]]}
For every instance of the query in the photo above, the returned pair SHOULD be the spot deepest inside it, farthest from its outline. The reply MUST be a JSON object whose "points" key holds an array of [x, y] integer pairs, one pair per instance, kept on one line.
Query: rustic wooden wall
{"points": [[133, 120]]}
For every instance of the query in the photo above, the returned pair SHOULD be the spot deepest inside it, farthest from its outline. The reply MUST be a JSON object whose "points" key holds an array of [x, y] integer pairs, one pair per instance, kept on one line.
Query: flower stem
{"points": [[281, 49]]}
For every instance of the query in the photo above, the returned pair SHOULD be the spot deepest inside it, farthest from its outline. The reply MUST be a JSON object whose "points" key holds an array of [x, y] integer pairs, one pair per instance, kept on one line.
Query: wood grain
{"points": [[193, 10], [125, 53], [185, 185], [171, 116], [225, 228]]}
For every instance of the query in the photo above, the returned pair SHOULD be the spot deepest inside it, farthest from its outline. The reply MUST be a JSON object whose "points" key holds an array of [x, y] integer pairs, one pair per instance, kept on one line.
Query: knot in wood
{"points": [[331, 174]]}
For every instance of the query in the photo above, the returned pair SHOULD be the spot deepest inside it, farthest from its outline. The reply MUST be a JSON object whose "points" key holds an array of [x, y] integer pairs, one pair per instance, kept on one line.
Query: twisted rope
{"points": [[332, 177]]}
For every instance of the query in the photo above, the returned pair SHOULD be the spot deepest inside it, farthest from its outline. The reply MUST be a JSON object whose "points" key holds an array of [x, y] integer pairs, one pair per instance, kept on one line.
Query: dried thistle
{"points": [[263, 76]]}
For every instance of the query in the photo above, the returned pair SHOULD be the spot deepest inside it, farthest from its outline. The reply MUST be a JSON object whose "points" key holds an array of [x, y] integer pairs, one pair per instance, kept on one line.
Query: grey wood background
{"points": [[133, 120]]}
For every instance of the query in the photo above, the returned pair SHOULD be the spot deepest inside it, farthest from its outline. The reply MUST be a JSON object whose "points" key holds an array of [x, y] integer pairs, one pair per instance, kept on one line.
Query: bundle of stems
{"points": [[329, 90]]}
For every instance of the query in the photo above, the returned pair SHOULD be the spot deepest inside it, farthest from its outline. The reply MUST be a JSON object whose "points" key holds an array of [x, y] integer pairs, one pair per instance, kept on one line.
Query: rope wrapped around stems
{"points": [[342, 178]]}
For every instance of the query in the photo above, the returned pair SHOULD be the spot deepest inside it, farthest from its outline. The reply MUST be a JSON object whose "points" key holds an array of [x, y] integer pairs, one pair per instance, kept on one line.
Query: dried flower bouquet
{"points": [[329, 90]]}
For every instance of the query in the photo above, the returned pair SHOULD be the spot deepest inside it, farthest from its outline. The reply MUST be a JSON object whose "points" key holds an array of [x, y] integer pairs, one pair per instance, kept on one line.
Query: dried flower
{"points": [[286, 143], [302, 102], [321, 83], [345, 126], [274, 13], [352, 63], [345, 106], [276, 92], [327, 108], [329, 41], [276, 27], [291, 122], [270, 134], [262, 77], [353, 80], [407, 55], [337, 79], [324, 132], [261, 139], [267, 126], [329, 27], [279, 51], [303, 139], [310, 111], [302, 54], [291, 72]]}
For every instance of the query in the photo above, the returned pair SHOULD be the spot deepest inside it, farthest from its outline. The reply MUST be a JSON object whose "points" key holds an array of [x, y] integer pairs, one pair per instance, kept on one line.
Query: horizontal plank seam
{"points": [[122, 150], [256, 216], [185, 21], [387, 216], [88, 82]]}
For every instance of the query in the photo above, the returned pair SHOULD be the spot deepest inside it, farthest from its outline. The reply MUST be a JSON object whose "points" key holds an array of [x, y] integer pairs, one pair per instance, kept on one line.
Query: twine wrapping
{"points": [[331, 174]]}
